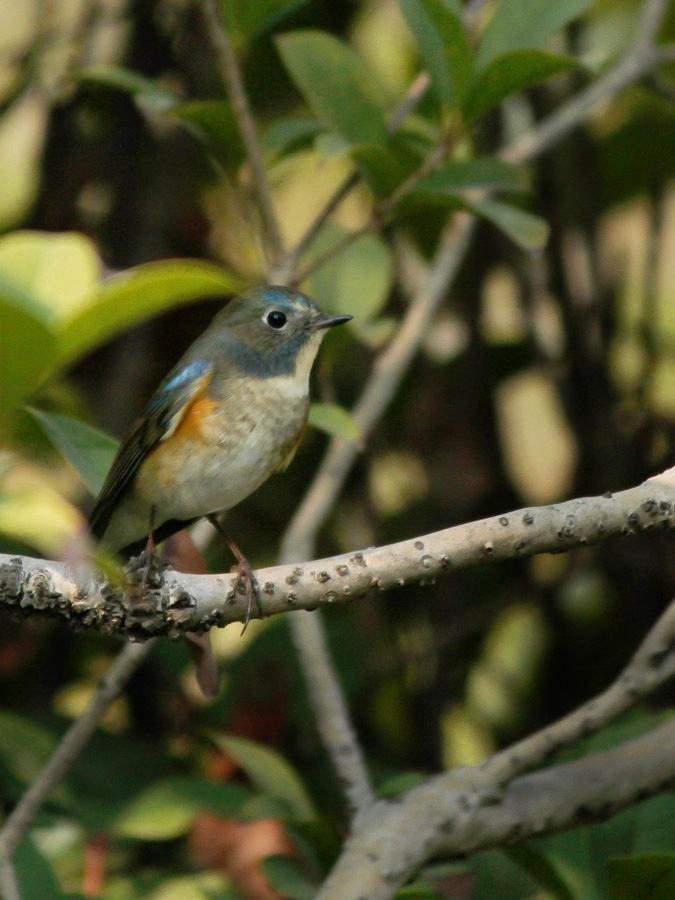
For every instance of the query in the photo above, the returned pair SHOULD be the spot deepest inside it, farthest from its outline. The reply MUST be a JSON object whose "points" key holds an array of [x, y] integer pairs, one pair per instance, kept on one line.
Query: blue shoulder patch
{"points": [[190, 373]]}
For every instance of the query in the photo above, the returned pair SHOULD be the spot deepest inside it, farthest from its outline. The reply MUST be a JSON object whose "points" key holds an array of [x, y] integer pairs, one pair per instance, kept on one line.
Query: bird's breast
{"points": [[225, 446]]}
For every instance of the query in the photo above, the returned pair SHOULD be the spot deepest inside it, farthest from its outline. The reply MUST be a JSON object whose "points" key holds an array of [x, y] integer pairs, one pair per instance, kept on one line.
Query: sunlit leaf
{"points": [[134, 295], [166, 809], [33, 512], [334, 420], [355, 282], [525, 24], [269, 772], [87, 449], [335, 84], [510, 74], [59, 272], [525, 229], [443, 44]]}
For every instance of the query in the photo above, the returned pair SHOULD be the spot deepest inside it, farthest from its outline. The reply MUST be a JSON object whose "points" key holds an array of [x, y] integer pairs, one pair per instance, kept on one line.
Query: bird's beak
{"points": [[324, 321]]}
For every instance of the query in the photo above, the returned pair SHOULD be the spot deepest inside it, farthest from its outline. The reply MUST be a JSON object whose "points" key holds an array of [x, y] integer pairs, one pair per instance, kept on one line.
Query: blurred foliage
{"points": [[549, 373]]}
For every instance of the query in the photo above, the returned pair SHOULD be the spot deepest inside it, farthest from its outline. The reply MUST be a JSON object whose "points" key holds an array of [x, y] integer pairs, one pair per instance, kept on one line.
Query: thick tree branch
{"points": [[187, 602], [396, 839], [477, 807], [246, 122]]}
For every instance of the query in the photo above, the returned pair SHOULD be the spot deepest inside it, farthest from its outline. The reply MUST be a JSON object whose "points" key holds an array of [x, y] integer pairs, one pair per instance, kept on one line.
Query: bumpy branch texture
{"points": [[196, 602]]}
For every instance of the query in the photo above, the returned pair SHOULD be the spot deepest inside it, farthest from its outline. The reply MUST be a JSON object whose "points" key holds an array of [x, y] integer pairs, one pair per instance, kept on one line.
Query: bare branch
{"points": [[476, 807], [331, 714], [186, 602], [9, 889], [247, 127], [23, 814], [396, 839]]}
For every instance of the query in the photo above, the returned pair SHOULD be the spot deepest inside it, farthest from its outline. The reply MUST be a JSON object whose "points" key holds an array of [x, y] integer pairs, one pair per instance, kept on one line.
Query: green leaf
{"points": [[357, 281], [25, 748], [335, 84], [649, 876], [385, 168], [334, 420], [510, 74], [146, 90], [246, 19], [287, 877], [550, 872], [289, 136], [166, 809], [526, 230], [87, 449], [27, 349], [136, 294], [485, 172], [34, 875], [443, 44], [269, 772], [213, 123], [525, 24]]}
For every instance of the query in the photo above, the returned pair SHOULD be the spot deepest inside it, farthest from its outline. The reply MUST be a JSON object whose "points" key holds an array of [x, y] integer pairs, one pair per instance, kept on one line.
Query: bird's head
{"points": [[276, 328]]}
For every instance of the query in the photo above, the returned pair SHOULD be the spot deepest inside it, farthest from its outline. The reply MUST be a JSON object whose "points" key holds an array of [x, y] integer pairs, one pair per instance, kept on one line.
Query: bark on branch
{"points": [[182, 602]]}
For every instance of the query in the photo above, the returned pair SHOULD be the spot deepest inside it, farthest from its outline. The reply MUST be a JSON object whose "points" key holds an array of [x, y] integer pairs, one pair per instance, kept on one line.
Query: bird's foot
{"points": [[246, 581], [144, 572], [243, 568]]}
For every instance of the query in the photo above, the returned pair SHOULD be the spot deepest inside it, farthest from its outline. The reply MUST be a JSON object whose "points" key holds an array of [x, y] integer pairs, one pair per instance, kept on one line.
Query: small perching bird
{"points": [[228, 415]]}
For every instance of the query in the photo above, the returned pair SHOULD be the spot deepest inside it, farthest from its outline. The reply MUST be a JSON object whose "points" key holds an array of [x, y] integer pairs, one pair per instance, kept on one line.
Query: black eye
{"points": [[276, 319]]}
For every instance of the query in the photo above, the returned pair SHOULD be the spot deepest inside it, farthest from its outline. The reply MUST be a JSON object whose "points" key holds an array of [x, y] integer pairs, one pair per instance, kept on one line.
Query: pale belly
{"points": [[193, 475]]}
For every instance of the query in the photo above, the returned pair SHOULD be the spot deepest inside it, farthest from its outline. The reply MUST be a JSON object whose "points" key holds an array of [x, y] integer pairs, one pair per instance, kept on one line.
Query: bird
{"points": [[229, 414]]}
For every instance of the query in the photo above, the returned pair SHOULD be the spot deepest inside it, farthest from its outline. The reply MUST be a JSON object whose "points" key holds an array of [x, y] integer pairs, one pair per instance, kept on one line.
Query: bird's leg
{"points": [[244, 569], [150, 552]]}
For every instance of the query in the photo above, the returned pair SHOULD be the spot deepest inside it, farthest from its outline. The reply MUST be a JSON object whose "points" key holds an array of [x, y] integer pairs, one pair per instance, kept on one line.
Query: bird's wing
{"points": [[158, 421]]}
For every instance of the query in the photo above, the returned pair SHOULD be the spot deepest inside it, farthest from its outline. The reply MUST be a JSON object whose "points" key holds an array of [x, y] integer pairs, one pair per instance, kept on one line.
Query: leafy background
{"points": [[549, 373]]}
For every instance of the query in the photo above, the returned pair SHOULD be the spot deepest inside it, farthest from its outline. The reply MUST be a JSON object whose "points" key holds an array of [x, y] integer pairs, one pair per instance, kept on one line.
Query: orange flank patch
{"points": [[166, 462], [194, 416]]}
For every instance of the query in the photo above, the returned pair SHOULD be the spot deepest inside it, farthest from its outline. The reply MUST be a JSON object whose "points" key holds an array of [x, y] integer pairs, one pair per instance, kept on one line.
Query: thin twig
{"points": [[246, 123], [331, 713], [389, 368], [70, 746], [9, 888], [340, 456], [286, 271], [383, 210]]}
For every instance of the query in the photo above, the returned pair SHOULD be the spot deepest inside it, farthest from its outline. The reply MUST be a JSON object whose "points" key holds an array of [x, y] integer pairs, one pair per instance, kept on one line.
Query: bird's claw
{"points": [[246, 580]]}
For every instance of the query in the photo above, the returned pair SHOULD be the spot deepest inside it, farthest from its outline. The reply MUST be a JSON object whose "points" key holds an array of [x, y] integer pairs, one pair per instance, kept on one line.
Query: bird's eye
{"points": [[276, 319]]}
